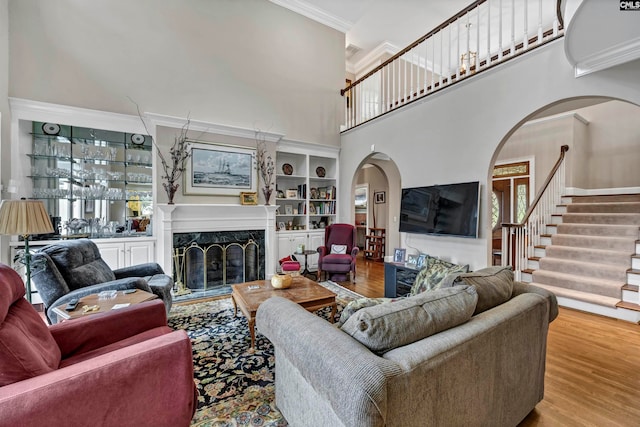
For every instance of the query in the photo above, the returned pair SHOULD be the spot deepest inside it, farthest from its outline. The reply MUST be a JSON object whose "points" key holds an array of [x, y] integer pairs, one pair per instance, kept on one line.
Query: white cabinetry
{"points": [[306, 196], [124, 254]]}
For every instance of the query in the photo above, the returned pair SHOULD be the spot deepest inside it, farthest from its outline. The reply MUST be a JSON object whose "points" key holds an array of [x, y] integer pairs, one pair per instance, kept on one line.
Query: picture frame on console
{"points": [[216, 169], [399, 254], [412, 260]]}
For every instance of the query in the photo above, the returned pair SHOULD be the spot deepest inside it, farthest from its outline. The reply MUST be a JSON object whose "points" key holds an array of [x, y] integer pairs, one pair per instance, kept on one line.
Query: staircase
{"points": [[589, 256]]}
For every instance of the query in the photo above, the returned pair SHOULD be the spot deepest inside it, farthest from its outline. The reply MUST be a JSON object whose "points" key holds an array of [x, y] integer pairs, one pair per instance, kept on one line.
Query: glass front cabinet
{"points": [[95, 183]]}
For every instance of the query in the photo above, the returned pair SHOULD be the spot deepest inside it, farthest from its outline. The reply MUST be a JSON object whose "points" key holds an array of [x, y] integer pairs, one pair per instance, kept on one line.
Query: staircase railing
{"points": [[482, 35], [519, 240]]}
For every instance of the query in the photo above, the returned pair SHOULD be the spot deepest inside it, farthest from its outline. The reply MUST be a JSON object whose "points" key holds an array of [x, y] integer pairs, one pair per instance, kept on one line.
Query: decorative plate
{"points": [[287, 169], [51, 128], [137, 139], [320, 172]]}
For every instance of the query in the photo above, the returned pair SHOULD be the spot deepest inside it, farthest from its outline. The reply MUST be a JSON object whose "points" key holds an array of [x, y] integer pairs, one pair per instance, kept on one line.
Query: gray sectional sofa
{"points": [[469, 354]]}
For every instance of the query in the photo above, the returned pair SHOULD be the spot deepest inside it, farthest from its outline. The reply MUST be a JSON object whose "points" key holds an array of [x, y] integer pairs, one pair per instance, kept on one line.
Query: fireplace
{"points": [[209, 236], [209, 262]]}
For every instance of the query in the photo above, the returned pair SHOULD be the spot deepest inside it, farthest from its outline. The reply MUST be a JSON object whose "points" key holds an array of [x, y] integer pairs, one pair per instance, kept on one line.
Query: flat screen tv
{"points": [[441, 209]]}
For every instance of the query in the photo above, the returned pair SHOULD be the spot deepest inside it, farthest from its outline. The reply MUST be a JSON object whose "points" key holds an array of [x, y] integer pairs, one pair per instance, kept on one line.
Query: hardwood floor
{"points": [[593, 364]]}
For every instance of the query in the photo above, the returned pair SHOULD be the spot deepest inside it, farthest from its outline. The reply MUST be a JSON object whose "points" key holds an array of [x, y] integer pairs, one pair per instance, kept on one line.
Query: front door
{"points": [[510, 201]]}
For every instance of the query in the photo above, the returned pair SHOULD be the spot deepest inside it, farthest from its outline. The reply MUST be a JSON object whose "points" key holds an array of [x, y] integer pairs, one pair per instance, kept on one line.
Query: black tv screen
{"points": [[441, 209]]}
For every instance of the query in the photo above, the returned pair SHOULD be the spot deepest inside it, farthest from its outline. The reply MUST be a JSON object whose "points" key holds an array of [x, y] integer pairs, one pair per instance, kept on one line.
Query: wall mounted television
{"points": [[448, 210]]}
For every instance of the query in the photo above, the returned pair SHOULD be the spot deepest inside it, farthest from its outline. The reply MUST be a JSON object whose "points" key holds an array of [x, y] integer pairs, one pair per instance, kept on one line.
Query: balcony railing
{"points": [[484, 34]]}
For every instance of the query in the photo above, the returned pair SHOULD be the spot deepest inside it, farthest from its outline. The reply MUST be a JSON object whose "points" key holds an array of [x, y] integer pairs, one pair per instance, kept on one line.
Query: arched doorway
{"points": [[602, 135], [377, 179]]}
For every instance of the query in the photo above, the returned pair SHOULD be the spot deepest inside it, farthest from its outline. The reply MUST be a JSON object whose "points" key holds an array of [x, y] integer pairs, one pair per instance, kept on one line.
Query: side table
{"points": [[306, 271]]}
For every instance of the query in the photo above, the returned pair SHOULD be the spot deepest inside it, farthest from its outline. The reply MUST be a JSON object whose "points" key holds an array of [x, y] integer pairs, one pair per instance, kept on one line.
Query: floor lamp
{"points": [[25, 218]]}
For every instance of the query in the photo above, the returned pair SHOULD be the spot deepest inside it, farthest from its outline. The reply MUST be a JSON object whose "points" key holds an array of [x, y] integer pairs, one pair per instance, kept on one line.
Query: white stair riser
{"points": [[638, 247], [635, 263], [532, 264], [561, 209], [526, 277], [633, 279], [545, 240], [630, 296], [555, 219], [540, 252], [551, 229]]}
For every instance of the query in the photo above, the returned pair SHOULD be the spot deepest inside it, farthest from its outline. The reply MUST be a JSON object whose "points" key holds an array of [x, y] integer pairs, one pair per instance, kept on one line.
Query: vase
{"points": [[171, 188], [267, 195]]}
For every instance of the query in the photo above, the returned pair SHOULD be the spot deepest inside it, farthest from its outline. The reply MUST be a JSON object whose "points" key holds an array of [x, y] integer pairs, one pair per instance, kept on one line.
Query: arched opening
{"points": [[375, 190], [602, 135]]}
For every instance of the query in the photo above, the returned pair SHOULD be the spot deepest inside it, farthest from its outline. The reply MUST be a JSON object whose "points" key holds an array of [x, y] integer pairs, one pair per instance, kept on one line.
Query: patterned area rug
{"points": [[235, 382]]}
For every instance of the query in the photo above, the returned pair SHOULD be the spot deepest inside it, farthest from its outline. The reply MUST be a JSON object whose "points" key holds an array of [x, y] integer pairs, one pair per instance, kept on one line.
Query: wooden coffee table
{"points": [[305, 292], [103, 305]]}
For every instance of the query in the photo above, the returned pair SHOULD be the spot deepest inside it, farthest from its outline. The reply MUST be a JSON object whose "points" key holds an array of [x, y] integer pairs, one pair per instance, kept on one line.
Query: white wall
{"points": [[4, 81], [453, 135], [249, 63]]}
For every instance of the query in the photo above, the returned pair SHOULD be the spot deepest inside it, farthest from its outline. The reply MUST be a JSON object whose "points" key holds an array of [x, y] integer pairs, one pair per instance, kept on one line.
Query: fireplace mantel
{"points": [[190, 218]]}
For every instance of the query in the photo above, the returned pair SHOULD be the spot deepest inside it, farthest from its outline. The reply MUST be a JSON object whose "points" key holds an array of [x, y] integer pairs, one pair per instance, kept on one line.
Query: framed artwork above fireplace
{"points": [[216, 169]]}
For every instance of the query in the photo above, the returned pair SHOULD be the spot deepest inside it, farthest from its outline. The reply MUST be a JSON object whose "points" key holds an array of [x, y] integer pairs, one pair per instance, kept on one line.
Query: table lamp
{"points": [[24, 218]]}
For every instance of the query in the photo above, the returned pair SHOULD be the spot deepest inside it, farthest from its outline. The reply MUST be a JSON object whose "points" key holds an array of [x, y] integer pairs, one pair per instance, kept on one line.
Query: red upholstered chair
{"points": [[338, 238], [125, 367]]}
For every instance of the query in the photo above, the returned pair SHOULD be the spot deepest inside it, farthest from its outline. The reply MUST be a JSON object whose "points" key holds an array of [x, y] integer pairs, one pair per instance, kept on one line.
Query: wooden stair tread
{"points": [[628, 305], [534, 258], [546, 235], [632, 288], [540, 246], [528, 270]]}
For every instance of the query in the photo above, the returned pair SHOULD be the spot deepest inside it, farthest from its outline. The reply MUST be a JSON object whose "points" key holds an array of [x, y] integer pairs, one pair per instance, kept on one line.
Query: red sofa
{"points": [[122, 368]]}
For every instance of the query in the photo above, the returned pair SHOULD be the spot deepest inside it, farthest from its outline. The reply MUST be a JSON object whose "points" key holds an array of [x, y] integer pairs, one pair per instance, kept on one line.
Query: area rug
{"points": [[235, 382]]}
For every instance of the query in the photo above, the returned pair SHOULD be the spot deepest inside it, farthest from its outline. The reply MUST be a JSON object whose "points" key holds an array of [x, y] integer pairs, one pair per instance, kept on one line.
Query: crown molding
{"points": [[627, 51], [305, 9], [358, 68], [208, 127]]}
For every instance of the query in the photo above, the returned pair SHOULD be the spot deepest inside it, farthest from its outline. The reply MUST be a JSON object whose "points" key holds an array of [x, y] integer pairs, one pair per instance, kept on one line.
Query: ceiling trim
{"points": [[312, 12], [628, 50], [358, 68]]}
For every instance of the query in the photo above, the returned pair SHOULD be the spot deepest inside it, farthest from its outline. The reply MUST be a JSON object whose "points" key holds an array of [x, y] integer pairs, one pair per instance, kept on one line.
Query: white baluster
{"points": [[540, 21], [458, 49], [441, 58], [512, 48], [500, 32], [488, 33]]}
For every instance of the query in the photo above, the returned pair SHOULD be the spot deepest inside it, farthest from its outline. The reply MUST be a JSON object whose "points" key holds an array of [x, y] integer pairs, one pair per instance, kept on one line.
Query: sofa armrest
{"points": [[354, 251], [140, 270], [522, 288], [349, 377], [95, 331], [149, 383], [322, 251]]}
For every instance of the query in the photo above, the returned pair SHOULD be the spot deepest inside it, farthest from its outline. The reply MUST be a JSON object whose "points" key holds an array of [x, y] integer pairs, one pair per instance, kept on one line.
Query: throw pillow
{"points": [[339, 249], [432, 274], [358, 304], [494, 286], [384, 327]]}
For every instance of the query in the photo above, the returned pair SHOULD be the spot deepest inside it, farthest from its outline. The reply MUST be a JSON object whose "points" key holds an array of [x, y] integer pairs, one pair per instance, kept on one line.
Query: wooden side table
{"points": [[103, 305], [306, 271]]}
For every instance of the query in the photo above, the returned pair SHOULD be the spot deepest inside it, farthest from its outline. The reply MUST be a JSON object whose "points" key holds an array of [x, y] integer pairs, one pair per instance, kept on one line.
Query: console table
{"points": [[398, 279]]}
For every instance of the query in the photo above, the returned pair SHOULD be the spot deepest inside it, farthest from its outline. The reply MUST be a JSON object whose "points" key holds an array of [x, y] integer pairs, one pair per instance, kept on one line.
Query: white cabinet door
{"points": [[138, 252], [112, 253], [315, 240]]}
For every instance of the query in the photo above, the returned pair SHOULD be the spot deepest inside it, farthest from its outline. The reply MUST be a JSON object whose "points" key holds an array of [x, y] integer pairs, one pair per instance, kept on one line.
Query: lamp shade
{"points": [[24, 218]]}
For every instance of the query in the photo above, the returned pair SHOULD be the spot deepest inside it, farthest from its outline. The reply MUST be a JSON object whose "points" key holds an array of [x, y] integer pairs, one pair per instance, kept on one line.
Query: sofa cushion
{"points": [[359, 304], [433, 272], [386, 326], [493, 284]]}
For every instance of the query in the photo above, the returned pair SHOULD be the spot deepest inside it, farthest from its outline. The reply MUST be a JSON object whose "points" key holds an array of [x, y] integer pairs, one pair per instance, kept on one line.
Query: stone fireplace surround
{"points": [[194, 218]]}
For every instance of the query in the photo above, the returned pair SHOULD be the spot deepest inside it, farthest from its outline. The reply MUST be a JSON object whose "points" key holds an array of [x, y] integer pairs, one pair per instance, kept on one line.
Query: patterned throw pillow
{"points": [[339, 249], [433, 272]]}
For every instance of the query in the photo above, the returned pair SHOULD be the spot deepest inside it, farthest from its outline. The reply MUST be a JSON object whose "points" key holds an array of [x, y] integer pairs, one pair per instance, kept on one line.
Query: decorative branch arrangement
{"points": [[265, 165], [179, 153]]}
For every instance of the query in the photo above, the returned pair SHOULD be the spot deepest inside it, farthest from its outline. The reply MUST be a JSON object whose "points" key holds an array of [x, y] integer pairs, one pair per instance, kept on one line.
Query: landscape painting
{"points": [[220, 169]]}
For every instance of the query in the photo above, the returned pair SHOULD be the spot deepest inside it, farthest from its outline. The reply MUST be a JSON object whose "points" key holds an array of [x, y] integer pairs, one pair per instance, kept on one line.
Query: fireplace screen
{"points": [[207, 263]]}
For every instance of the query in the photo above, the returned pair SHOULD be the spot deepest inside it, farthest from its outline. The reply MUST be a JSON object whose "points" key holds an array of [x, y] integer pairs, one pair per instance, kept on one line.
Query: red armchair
{"points": [[338, 255], [121, 368]]}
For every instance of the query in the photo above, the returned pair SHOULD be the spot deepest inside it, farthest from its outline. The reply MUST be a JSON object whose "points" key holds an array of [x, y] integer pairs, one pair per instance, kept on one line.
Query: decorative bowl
{"points": [[281, 281]]}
